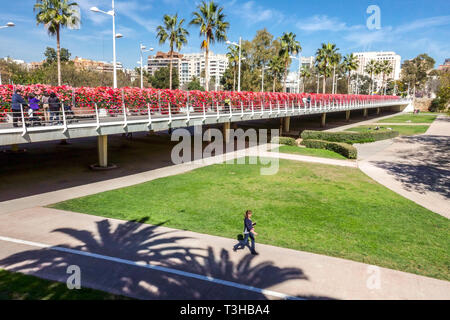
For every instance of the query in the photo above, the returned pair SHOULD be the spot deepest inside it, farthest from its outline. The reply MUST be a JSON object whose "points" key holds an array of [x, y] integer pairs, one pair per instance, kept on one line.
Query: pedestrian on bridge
{"points": [[55, 107], [17, 103]]}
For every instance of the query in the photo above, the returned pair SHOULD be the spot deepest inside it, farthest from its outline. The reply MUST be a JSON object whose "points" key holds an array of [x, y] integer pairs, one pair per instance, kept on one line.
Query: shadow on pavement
{"points": [[147, 245]]}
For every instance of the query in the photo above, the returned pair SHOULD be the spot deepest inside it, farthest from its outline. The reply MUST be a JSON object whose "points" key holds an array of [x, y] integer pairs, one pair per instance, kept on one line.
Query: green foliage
{"points": [[416, 71], [194, 85], [160, 80], [51, 56], [284, 140], [442, 100], [349, 136], [344, 149]]}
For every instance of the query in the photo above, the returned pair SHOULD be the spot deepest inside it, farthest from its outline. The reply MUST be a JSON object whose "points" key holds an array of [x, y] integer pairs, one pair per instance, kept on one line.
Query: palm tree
{"points": [[213, 27], [288, 46], [386, 69], [173, 32], [56, 15], [371, 68], [351, 63], [276, 67], [233, 58], [324, 59], [336, 64], [305, 73]]}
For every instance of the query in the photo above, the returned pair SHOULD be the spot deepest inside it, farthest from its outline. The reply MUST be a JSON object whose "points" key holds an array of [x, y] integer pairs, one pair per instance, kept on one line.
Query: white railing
{"points": [[25, 121]]}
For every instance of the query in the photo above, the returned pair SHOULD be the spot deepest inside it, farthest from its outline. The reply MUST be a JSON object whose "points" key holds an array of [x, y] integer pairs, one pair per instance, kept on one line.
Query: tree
{"points": [[324, 58], [194, 84], [211, 20], [288, 46], [233, 58], [51, 55], [305, 73], [386, 69], [371, 68], [172, 31], [350, 64], [160, 80], [277, 69], [415, 72], [56, 15]]}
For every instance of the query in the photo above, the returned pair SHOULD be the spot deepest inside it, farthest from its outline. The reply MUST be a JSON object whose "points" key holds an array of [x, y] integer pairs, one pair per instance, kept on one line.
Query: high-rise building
{"points": [[445, 66], [191, 65], [365, 57]]}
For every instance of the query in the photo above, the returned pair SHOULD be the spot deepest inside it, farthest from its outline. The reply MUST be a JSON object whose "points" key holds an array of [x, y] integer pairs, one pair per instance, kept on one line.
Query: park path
{"points": [[416, 167], [154, 262]]}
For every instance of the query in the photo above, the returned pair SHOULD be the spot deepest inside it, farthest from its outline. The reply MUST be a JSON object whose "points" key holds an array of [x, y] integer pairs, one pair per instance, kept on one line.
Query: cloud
{"points": [[253, 13], [322, 23], [424, 23]]}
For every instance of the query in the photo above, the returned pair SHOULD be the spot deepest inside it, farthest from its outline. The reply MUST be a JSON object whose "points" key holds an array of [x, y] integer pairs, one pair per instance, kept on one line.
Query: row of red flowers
{"points": [[135, 98]]}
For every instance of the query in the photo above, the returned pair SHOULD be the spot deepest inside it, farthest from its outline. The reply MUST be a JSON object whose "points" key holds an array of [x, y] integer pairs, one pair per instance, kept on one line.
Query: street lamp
{"points": [[262, 80], [335, 86], [112, 13], [318, 77], [8, 25], [299, 67], [143, 49], [239, 73]]}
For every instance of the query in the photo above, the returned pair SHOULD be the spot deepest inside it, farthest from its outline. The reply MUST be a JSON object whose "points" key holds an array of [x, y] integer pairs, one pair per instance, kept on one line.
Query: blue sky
{"points": [[407, 27]]}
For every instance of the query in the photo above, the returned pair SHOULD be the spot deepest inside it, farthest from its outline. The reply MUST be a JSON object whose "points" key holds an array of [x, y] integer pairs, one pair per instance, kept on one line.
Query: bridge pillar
{"points": [[102, 144], [323, 120], [226, 132], [286, 122], [366, 113], [378, 111], [347, 115]]}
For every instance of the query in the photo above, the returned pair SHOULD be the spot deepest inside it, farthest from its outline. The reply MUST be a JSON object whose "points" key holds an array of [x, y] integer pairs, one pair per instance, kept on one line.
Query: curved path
{"points": [[416, 167]]}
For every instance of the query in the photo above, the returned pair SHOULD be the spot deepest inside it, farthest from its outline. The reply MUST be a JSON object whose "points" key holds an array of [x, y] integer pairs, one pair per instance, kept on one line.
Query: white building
{"points": [[308, 62], [191, 65], [365, 57]]}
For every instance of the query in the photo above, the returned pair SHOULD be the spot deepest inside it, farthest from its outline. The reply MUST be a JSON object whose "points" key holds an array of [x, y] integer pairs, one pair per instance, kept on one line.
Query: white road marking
{"points": [[154, 267]]}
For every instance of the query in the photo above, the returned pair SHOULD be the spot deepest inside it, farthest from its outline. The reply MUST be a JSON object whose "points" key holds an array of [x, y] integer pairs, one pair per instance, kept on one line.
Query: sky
{"points": [[408, 27]]}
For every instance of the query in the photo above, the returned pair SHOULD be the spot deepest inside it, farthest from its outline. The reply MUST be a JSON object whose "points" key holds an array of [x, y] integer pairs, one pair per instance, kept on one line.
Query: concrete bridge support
{"points": [[366, 113], [102, 145], [323, 120], [226, 131], [378, 111], [347, 115], [286, 123]]}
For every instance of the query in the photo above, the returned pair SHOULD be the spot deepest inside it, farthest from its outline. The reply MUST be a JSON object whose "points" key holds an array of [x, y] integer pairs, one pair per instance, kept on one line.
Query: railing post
{"points": [[64, 118], [278, 104], [217, 110], [285, 108], [24, 126], [149, 116], [204, 112], [125, 118], [96, 116], [253, 110], [242, 109], [187, 113], [170, 114], [231, 112], [270, 104], [262, 108]]}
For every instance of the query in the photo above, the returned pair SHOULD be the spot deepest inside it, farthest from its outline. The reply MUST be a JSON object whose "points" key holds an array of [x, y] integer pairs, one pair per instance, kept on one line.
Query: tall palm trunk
{"points": [[206, 65], [170, 67], [58, 55], [285, 75], [348, 84], [324, 83], [234, 78], [274, 82]]}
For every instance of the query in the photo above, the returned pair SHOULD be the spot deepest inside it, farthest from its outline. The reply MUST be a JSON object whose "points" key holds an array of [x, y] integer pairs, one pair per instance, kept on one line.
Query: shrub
{"points": [[350, 137], [344, 149], [284, 140]]}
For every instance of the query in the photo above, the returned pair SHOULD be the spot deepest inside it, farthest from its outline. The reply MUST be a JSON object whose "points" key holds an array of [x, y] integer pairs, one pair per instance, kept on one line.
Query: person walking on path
{"points": [[249, 232], [55, 107], [17, 103]]}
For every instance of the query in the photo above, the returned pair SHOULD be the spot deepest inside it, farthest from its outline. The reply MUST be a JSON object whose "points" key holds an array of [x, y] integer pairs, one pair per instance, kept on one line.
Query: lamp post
{"points": [[335, 85], [8, 25], [143, 49], [239, 72], [112, 13], [262, 80], [318, 77]]}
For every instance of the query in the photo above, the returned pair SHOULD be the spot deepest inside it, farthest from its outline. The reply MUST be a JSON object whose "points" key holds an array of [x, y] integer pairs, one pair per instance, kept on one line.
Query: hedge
{"points": [[284, 140], [350, 137], [344, 149]]}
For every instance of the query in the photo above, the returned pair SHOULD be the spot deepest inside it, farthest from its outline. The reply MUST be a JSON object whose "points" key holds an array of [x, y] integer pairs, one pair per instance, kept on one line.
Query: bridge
{"points": [[88, 122]]}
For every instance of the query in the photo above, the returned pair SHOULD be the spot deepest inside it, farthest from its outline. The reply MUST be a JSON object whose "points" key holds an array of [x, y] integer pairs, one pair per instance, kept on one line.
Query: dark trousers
{"points": [[16, 114], [244, 243]]}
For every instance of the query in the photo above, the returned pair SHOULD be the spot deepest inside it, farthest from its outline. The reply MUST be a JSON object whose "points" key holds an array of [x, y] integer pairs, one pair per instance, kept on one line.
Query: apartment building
{"points": [[365, 57]]}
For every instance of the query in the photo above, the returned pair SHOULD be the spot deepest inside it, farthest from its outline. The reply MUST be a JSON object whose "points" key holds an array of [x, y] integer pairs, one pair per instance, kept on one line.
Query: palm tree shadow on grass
{"points": [[149, 246]]}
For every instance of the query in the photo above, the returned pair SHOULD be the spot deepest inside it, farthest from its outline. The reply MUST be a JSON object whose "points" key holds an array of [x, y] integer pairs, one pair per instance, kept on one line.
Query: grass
{"points": [[311, 152], [330, 210], [17, 286], [413, 118], [404, 130]]}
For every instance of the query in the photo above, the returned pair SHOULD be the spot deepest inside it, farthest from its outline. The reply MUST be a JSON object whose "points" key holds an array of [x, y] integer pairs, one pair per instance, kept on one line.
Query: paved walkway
{"points": [[155, 262], [416, 167], [363, 123]]}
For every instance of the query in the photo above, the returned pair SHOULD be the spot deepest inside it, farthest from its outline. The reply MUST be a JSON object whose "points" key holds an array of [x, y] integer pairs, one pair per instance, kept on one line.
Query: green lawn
{"points": [[404, 130], [310, 152], [413, 118], [331, 210], [17, 286]]}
